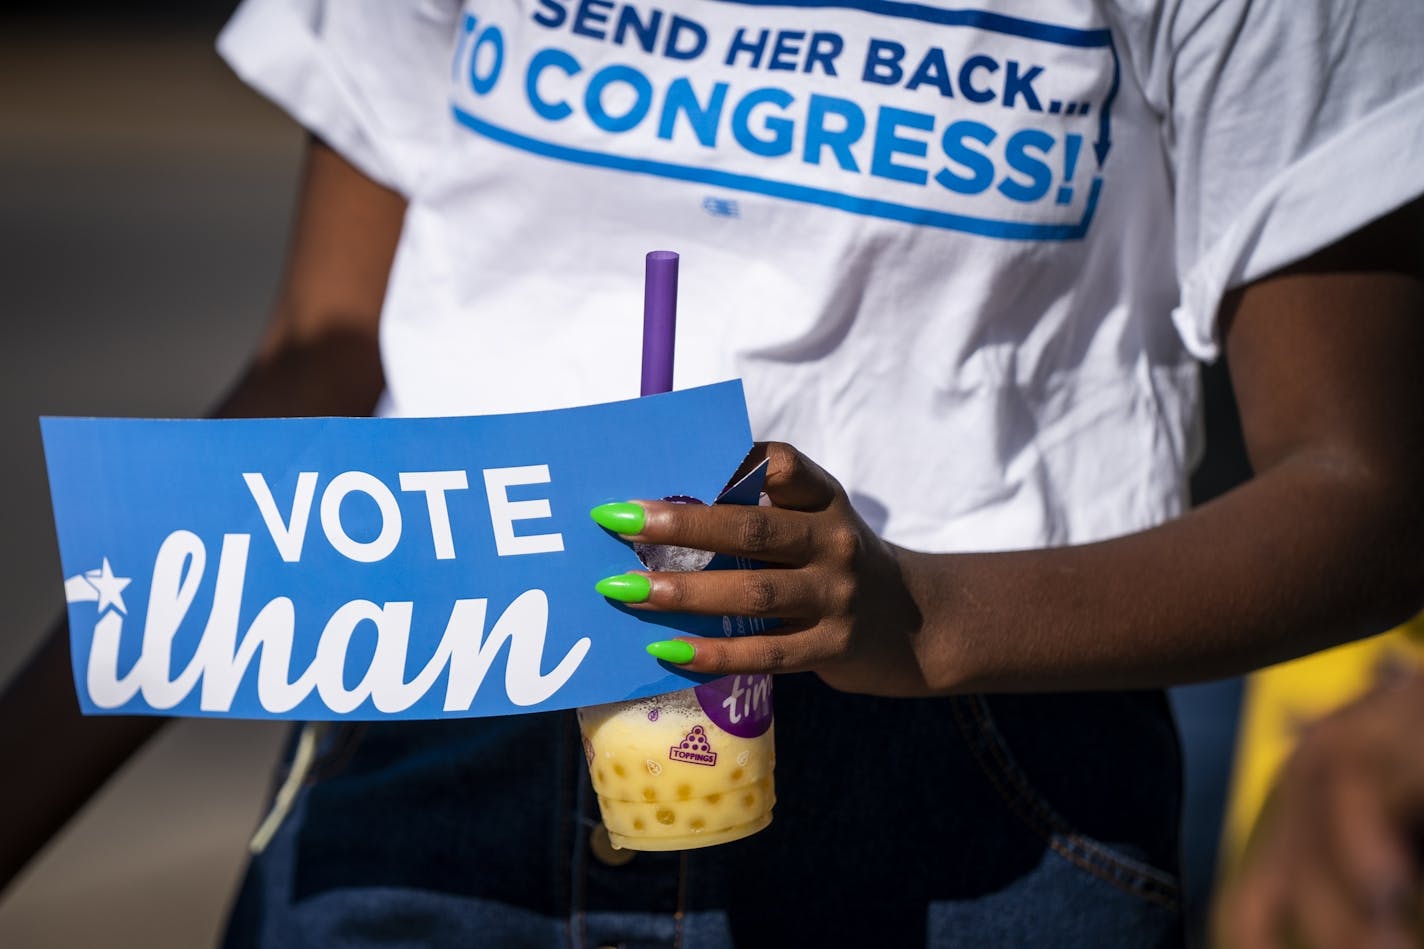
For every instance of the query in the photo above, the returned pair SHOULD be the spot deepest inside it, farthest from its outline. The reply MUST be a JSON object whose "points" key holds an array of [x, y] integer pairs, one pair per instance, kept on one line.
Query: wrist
{"points": [[932, 625]]}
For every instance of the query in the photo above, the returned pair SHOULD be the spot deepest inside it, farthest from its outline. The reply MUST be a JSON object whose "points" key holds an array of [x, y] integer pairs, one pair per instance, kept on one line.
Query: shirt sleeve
{"points": [[365, 76], [1288, 124]]}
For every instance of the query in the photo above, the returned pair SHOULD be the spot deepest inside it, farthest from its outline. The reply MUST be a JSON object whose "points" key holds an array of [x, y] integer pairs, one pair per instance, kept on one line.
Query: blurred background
{"points": [[144, 199]]}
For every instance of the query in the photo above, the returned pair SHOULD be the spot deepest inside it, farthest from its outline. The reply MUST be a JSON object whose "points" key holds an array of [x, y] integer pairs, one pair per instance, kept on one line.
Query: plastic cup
{"points": [[691, 768], [687, 769]]}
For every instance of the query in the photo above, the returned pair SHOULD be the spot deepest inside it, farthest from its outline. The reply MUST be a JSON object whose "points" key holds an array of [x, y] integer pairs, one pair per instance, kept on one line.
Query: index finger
{"points": [[794, 481], [759, 533]]}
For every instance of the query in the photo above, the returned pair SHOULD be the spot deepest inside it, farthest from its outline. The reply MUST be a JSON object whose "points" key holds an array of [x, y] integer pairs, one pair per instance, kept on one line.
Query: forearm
{"points": [[320, 357], [55, 758], [1300, 558], [1325, 544]]}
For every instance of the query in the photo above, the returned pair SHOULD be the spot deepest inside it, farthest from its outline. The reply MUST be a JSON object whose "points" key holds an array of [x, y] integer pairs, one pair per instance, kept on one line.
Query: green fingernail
{"points": [[622, 517], [625, 587], [672, 650]]}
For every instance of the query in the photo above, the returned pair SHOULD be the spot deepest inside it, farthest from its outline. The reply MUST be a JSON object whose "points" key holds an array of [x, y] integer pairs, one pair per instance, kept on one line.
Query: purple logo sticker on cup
{"points": [[739, 705]]}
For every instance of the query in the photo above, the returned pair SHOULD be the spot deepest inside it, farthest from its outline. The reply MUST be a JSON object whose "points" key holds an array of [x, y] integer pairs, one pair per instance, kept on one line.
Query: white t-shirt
{"points": [[962, 258]]}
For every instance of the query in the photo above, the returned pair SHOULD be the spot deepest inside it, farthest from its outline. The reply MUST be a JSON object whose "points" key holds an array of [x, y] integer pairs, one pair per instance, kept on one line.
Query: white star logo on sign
{"points": [[98, 585]]}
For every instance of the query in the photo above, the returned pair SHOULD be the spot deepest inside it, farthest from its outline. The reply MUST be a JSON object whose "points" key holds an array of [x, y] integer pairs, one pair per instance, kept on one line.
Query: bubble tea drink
{"points": [[687, 769], [691, 768]]}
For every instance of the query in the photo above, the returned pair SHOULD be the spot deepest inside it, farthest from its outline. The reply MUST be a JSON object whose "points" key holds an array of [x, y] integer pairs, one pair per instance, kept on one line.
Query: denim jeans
{"points": [[968, 821]]}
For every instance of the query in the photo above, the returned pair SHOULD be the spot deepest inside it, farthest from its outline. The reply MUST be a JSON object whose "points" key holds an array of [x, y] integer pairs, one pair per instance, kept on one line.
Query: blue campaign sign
{"points": [[373, 568]]}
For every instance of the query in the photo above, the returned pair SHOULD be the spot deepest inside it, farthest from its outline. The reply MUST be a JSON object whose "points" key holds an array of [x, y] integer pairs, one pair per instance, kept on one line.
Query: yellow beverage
{"points": [[687, 769]]}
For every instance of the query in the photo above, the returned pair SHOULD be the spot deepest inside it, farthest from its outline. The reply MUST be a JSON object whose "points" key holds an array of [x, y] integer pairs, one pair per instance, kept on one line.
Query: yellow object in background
{"points": [[1283, 699]]}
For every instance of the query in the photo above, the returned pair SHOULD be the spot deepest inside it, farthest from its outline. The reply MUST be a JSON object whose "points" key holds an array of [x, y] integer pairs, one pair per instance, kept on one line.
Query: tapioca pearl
{"points": [[665, 815], [684, 792], [697, 823], [619, 770], [736, 775], [713, 798], [749, 800], [650, 794], [638, 823], [599, 774]]}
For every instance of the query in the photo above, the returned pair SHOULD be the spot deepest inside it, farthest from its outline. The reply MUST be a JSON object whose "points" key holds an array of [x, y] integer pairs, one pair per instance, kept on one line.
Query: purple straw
{"points": [[659, 321]]}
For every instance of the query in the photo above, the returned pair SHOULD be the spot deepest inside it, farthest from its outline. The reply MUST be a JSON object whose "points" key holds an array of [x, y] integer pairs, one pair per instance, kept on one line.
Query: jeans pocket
{"points": [[1108, 863], [333, 744], [317, 751]]}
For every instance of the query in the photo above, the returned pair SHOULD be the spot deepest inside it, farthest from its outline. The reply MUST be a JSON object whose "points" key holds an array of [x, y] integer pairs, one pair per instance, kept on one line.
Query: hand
{"points": [[1334, 861], [837, 586]]}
